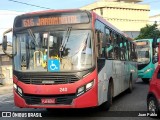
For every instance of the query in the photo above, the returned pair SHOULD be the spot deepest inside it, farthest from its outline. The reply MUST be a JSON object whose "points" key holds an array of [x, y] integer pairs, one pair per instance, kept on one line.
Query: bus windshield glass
{"points": [[143, 54], [71, 48]]}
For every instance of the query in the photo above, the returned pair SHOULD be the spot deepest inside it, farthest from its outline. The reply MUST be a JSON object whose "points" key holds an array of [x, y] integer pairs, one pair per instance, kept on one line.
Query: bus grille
{"points": [[49, 79], [59, 99]]}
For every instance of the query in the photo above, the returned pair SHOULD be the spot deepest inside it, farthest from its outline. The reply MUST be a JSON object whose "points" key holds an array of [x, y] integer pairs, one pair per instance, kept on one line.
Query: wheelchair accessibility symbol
{"points": [[53, 65]]}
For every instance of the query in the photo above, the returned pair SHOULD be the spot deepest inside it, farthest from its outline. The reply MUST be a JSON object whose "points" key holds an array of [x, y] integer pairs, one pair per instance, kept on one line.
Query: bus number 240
{"points": [[63, 89]]}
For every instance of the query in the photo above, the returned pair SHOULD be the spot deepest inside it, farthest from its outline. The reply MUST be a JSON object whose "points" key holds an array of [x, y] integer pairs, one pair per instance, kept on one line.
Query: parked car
{"points": [[153, 98]]}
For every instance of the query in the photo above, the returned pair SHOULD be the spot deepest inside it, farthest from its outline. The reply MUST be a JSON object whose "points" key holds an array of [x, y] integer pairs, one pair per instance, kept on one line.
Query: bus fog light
{"points": [[19, 91], [89, 85], [14, 86]]}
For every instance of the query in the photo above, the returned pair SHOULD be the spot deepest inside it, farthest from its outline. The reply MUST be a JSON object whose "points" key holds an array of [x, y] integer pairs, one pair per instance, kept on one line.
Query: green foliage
{"points": [[150, 31]]}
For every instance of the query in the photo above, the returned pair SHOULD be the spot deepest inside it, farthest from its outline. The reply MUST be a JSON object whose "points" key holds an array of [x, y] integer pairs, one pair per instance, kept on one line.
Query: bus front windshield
{"points": [[72, 49], [143, 54]]}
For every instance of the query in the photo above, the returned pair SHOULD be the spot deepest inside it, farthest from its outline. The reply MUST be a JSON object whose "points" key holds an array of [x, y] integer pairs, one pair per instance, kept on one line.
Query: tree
{"points": [[150, 31]]}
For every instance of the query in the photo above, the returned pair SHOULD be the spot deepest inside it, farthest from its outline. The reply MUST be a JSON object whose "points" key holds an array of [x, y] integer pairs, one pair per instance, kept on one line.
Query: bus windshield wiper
{"points": [[28, 47], [64, 41], [31, 34]]}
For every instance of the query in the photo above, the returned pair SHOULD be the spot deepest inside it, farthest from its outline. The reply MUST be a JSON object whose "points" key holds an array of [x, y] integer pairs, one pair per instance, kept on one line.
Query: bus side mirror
{"points": [[155, 59], [154, 45], [4, 44]]}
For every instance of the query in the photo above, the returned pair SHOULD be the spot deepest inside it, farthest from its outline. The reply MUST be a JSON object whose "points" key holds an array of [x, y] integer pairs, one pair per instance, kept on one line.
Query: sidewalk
{"points": [[5, 89]]}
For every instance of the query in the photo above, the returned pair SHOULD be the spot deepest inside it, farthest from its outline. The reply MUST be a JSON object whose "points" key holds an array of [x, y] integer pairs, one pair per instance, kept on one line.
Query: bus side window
{"points": [[101, 44], [126, 49], [123, 50], [98, 36], [108, 41], [120, 47], [130, 51], [110, 48], [128, 55], [134, 52], [116, 47]]}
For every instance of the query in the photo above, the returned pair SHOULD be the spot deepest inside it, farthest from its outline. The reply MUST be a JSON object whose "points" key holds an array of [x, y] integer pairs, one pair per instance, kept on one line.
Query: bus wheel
{"points": [[108, 103], [145, 80]]}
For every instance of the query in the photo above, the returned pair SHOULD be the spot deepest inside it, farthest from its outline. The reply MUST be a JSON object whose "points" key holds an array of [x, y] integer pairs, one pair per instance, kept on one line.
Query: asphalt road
{"points": [[125, 107]]}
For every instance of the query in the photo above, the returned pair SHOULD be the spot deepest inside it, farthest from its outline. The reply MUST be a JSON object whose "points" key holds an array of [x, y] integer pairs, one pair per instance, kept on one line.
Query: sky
{"points": [[59, 4], [11, 8]]}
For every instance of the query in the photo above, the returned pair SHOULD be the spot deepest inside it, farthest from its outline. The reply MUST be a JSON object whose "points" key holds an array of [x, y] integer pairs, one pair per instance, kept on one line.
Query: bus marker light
{"points": [[15, 86]]}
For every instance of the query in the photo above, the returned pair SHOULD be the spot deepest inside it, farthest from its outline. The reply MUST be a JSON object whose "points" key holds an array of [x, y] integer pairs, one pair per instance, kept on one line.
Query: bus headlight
{"points": [[85, 88], [149, 69], [19, 90], [80, 91], [89, 85]]}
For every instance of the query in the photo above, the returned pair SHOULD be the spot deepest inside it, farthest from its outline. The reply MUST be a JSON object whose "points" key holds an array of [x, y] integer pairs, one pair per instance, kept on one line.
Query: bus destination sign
{"points": [[141, 43], [49, 21], [54, 19]]}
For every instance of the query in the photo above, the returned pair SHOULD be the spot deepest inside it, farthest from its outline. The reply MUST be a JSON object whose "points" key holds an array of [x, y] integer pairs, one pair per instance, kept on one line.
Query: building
{"points": [[155, 18], [5, 66], [126, 15]]}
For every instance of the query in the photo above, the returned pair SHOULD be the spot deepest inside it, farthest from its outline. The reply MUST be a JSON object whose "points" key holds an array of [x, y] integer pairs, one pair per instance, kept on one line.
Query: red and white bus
{"points": [[69, 59]]}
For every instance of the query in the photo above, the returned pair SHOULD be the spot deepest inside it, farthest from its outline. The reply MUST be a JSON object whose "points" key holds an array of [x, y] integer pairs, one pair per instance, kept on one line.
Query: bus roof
{"points": [[143, 40], [149, 39], [52, 11], [78, 10]]}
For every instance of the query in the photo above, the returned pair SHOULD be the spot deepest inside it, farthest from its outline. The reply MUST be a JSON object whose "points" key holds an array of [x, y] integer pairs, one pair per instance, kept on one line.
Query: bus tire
{"points": [[145, 80], [130, 85], [108, 103]]}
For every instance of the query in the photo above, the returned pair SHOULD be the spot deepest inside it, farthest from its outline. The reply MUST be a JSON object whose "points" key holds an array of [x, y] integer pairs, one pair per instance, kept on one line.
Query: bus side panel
{"points": [[103, 79], [134, 71], [127, 74], [117, 77], [120, 76]]}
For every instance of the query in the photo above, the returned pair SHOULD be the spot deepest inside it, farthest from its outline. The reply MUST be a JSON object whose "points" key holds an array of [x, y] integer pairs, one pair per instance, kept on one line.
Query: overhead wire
{"points": [[29, 4], [97, 1]]}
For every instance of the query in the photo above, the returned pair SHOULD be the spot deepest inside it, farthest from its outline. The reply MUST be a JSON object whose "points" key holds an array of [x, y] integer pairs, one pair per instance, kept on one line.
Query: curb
{"points": [[5, 89]]}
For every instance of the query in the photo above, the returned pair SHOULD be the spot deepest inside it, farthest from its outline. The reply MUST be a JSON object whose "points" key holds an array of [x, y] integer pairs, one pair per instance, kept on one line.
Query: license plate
{"points": [[47, 100]]}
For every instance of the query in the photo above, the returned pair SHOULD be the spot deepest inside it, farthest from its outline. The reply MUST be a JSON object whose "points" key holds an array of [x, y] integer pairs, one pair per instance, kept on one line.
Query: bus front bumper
{"points": [[145, 74], [88, 99]]}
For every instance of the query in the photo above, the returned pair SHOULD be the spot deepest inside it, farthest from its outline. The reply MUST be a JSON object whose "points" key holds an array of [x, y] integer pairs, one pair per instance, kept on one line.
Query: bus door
{"points": [[101, 66], [118, 69], [120, 64]]}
